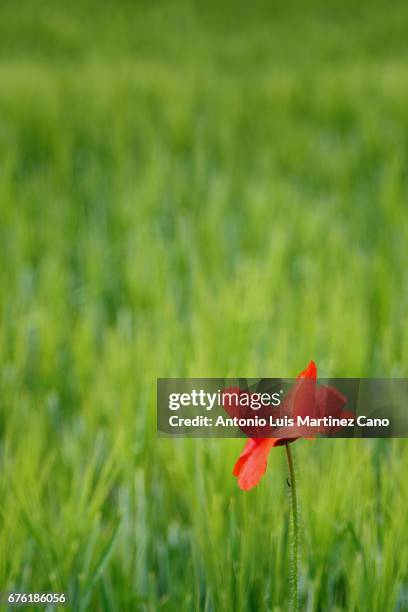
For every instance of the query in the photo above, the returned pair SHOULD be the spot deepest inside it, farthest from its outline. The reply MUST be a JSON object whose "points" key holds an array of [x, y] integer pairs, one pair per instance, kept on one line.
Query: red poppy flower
{"points": [[305, 398]]}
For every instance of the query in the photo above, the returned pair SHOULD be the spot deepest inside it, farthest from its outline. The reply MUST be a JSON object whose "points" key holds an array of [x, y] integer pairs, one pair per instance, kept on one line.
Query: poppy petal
{"points": [[253, 468], [247, 450], [329, 401], [309, 372]]}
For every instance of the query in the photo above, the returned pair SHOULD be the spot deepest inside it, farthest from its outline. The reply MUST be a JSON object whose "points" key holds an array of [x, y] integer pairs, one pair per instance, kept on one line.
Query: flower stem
{"points": [[295, 530]]}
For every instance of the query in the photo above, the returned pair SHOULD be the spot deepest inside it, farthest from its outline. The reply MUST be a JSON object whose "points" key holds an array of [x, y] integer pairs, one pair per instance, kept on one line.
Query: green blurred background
{"points": [[190, 189]]}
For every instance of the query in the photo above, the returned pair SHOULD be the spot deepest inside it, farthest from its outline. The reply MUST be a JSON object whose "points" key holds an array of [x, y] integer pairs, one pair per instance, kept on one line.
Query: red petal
{"points": [[248, 448], [329, 401], [229, 402], [251, 470], [310, 372]]}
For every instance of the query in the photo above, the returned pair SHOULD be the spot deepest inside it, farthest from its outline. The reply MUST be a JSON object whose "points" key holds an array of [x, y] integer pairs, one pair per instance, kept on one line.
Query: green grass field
{"points": [[185, 190]]}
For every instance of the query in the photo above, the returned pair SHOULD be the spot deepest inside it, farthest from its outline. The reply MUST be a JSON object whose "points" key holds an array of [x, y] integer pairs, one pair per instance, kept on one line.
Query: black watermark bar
{"points": [[283, 408]]}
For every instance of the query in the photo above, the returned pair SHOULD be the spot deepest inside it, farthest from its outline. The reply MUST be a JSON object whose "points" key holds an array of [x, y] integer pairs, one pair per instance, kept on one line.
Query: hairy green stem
{"points": [[295, 530]]}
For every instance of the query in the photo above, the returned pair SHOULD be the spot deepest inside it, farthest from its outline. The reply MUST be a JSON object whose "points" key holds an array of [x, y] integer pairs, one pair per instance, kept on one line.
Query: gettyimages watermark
{"points": [[282, 407]]}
